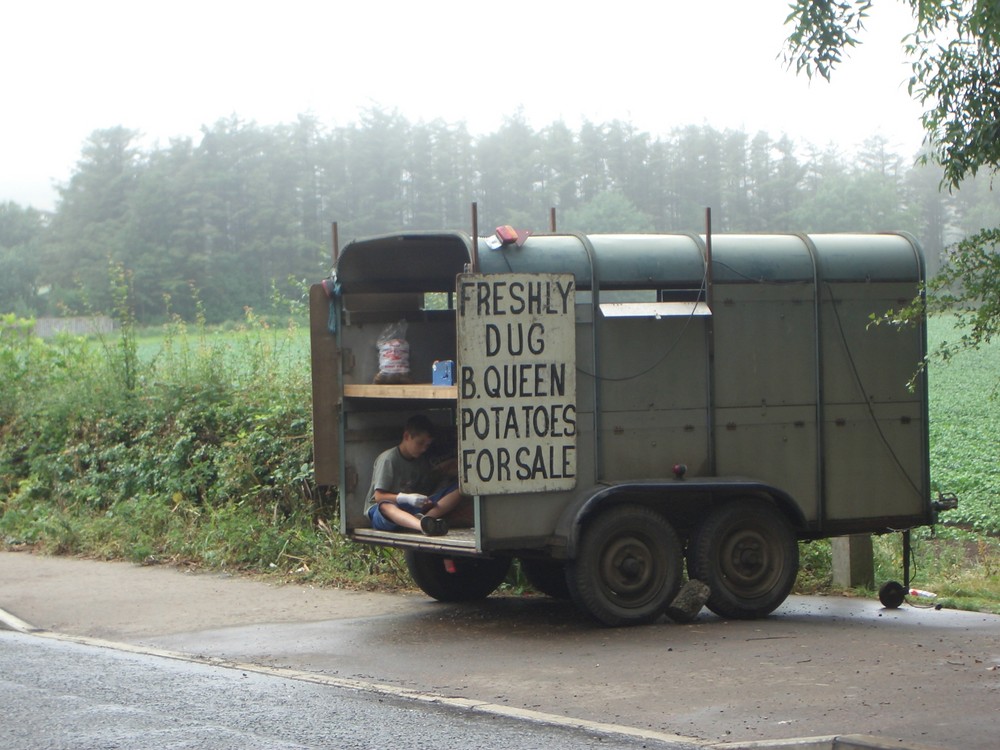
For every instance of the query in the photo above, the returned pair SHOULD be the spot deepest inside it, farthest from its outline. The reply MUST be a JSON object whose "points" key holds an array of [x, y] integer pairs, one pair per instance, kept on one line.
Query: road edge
{"points": [[9, 621]]}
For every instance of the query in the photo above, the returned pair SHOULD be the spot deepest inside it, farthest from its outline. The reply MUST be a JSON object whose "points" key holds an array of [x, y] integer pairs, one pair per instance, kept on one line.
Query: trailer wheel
{"points": [[628, 566], [747, 554], [456, 579], [546, 576]]}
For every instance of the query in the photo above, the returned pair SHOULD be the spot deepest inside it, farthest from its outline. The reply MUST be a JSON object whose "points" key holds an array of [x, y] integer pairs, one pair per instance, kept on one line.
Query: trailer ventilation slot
{"points": [[654, 309]]}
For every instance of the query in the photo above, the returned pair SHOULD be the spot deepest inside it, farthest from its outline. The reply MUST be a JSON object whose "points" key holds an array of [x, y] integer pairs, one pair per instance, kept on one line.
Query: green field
{"points": [[965, 430]]}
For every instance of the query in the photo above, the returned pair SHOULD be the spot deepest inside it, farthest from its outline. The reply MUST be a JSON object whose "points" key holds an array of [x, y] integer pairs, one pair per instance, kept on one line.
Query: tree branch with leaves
{"points": [[954, 56]]}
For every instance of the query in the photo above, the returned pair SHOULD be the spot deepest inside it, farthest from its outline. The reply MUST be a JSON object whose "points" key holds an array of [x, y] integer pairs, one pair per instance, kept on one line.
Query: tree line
{"points": [[242, 216]]}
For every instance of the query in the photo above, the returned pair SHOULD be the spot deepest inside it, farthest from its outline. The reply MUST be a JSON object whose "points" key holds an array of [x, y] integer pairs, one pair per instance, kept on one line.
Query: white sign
{"points": [[516, 383]]}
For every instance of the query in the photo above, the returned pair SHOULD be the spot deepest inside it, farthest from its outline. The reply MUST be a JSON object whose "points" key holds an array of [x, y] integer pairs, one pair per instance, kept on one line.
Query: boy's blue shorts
{"points": [[381, 523]]}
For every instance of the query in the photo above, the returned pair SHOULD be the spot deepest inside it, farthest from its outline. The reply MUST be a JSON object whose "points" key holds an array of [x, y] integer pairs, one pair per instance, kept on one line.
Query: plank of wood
{"points": [[456, 540], [408, 390]]}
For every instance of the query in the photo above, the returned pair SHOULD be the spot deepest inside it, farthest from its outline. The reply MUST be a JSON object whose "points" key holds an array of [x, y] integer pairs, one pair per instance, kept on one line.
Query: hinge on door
{"points": [[347, 360], [350, 477]]}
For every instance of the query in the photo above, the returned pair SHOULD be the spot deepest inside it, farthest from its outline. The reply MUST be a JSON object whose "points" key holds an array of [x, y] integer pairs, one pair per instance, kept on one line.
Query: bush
{"points": [[202, 456]]}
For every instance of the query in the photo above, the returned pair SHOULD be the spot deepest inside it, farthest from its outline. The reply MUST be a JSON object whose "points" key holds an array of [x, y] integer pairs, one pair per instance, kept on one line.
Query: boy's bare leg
{"points": [[454, 506]]}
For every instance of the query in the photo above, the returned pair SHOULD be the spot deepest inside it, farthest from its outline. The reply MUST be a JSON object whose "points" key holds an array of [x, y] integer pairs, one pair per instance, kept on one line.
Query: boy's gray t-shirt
{"points": [[393, 472]]}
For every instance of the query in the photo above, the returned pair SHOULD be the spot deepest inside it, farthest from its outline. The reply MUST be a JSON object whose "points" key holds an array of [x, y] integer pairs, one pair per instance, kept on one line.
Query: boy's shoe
{"points": [[433, 526]]}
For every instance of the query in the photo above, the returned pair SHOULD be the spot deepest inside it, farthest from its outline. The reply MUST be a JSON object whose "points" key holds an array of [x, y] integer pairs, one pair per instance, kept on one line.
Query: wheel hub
{"points": [[748, 557], [746, 560], [630, 567]]}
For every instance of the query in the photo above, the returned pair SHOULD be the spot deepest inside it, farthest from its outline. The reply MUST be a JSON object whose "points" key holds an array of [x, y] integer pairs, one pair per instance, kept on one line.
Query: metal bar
{"points": [[708, 258], [336, 242], [906, 559], [710, 347], [922, 376], [595, 306], [475, 238], [819, 390]]}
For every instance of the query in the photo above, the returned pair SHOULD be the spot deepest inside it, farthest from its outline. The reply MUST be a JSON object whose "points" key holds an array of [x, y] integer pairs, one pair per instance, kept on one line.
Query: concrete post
{"points": [[853, 561]]}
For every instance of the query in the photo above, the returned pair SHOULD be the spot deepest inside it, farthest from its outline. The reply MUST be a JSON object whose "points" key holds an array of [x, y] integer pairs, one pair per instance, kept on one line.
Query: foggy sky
{"points": [[166, 69]]}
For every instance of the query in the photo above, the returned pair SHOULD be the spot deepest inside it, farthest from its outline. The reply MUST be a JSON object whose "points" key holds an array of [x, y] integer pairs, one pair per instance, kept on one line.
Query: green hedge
{"points": [[206, 456]]}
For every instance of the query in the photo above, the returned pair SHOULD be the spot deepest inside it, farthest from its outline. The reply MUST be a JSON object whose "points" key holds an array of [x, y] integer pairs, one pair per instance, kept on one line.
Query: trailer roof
{"points": [[429, 261]]}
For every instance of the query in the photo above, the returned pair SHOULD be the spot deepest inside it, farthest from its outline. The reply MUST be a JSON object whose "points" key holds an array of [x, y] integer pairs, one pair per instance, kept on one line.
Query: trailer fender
{"points": [[684, 502]]}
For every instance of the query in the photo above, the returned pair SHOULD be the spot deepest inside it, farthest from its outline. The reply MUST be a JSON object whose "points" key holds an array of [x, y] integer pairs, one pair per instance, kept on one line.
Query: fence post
{"points": [[853, 561]]}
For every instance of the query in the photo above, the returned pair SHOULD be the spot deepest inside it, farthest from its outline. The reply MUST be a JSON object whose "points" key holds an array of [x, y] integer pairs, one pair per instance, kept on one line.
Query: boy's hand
{"points": [[412, 500]]}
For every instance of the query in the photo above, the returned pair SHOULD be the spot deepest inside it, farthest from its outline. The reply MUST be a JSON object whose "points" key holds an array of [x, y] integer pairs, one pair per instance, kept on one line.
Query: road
{"points": [[58, 694], [820, 666]]}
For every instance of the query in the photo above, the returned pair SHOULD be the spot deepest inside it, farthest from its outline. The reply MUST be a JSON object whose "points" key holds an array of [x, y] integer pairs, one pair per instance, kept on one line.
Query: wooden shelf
{"points": [[409, 390]]}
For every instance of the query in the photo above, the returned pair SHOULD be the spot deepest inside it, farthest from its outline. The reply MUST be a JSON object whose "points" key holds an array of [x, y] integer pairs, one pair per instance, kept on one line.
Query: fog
{"points": [[167, 69]]}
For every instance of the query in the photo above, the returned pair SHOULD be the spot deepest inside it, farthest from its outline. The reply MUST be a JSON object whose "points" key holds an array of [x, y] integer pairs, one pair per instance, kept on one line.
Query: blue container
{"points": [[443, 372]]}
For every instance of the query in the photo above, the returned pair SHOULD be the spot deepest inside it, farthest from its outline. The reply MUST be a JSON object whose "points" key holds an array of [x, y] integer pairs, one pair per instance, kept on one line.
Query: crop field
{"points": [[964, 397]]}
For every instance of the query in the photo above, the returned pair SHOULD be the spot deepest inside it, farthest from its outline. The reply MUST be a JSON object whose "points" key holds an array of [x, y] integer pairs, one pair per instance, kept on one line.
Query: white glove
{"points": [[412, 500]]}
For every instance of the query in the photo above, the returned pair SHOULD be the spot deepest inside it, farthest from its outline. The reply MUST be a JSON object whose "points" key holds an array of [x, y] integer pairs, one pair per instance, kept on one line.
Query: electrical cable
{"points": [[861, 388]]}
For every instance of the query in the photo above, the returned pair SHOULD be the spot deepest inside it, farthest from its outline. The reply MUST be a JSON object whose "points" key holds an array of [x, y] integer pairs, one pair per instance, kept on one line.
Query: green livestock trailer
{"points": [[627, 408]]}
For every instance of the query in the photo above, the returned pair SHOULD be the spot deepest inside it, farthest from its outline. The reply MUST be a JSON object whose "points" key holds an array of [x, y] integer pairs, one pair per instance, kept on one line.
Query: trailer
{"points": [[628, 410]]}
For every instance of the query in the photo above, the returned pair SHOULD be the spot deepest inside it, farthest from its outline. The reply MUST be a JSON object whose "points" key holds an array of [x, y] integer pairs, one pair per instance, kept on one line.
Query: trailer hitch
{"points": [[892, 593]]}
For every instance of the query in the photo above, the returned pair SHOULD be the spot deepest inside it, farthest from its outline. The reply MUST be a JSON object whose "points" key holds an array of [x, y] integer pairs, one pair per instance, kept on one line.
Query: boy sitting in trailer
{"points": [[400, 477]]}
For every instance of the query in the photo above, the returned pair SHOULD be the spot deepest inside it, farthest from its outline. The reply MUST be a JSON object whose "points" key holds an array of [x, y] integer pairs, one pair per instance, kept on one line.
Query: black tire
{"points": [[747, 554], [628, 567], [456, 579], [546, 576], [892, 594]]}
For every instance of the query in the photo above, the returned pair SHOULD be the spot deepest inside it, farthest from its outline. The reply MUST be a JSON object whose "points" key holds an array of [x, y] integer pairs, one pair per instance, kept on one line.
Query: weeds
{"points": [[189, 446], [962, 568]]}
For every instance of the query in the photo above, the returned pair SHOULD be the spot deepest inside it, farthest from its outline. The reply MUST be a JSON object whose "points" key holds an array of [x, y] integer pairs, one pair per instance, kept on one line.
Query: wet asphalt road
{"points": [[67, 695], [820, 666]]}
